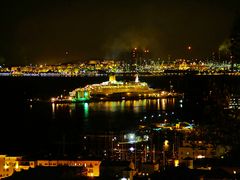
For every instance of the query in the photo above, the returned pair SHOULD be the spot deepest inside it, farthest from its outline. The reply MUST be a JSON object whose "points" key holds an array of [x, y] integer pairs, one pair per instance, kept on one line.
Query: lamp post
{"points": [[133, 140], [165, 148]]}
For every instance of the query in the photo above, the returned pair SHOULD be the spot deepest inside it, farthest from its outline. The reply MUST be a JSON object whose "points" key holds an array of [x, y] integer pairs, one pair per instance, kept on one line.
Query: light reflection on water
{"points": [[110, 114], [53, 110], [86, 110], [133, 105], [118, 106]]}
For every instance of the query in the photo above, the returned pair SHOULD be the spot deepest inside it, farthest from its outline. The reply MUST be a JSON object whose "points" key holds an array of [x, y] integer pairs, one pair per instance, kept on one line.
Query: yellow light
{"points": [[53, 99], [163, 92], [166, 143], [16, 166], [177, 125], [6, 166], [176, 163], [200, 156]]}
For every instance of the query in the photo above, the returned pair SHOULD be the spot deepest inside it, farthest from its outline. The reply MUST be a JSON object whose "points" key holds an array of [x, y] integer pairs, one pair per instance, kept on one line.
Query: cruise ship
{"points": [[116, 90]]}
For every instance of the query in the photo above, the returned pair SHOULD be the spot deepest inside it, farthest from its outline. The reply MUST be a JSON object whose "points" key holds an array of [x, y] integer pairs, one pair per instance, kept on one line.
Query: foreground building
{"points": [[92, 166], [192, 150], [11, 164]]}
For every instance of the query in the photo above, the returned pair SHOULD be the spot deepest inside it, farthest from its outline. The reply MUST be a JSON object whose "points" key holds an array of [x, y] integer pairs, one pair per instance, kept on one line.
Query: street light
{"points": [[165, 148], [166, 145]]}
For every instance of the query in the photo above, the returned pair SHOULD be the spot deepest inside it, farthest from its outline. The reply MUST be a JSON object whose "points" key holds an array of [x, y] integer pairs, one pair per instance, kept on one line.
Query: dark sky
{"points": [[34, 31]]}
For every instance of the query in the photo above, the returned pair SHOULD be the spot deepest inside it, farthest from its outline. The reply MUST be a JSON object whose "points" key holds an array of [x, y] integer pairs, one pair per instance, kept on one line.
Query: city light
{"points": [[176, 163], [200, 156], [166, 143], [109, 89], [131, 149], [131, 137]]}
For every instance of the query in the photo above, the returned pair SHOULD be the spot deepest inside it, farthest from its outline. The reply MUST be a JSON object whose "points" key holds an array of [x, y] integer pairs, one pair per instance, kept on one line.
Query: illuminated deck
{"points": [[116, 90]]}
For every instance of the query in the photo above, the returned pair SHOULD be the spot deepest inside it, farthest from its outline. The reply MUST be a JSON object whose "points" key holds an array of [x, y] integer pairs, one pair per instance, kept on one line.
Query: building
{"points": [[195, 150], [92, 166], [117, 169], [9, 164]]}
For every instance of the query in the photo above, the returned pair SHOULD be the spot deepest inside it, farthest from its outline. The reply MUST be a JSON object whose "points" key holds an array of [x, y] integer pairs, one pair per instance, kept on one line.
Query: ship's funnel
{"points": [[136, 79], [112, 78]]}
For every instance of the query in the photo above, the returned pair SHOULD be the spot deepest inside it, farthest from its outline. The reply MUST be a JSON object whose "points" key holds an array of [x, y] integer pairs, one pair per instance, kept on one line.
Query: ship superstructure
{"points": [[113, 89]]}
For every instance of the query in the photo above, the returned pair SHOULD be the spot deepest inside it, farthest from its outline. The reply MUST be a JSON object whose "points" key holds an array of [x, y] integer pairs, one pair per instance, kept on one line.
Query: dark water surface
{"points": [[30, 127]]}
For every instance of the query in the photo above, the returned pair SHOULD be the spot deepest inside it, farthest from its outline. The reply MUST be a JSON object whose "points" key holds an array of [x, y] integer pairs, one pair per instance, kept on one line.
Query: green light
{"points": [[81, 96], [80, 99], [85, 94], [86, 110]]}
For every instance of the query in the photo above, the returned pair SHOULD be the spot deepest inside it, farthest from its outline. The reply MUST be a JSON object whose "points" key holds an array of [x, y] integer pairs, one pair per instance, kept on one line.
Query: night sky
{"points": [[57, 31]]}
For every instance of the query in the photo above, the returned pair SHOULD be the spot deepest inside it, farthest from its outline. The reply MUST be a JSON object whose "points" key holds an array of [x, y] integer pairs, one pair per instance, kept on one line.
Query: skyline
{"points": [[66, 30]]}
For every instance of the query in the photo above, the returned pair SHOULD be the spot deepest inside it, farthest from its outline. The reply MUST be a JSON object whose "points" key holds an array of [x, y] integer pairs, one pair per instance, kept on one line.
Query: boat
{"points": [[116, 90]]}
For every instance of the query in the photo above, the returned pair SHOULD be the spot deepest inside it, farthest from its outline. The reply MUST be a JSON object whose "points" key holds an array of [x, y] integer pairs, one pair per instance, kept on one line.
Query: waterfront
{"points": [[90, 92], [42, 126], [141, 131]]}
